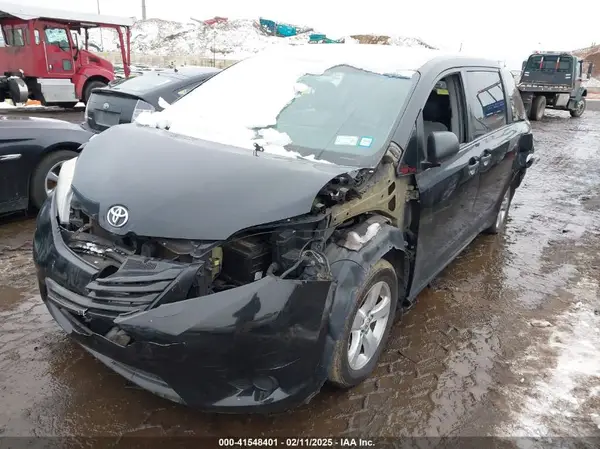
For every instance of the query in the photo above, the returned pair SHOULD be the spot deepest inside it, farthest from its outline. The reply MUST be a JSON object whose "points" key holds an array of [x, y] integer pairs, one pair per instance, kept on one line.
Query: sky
{"points": [[507, 30]]}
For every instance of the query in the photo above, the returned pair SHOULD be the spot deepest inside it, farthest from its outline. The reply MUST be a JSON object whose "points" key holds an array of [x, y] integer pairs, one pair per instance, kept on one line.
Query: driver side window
{"points": [[443, 111], [56, 36]]}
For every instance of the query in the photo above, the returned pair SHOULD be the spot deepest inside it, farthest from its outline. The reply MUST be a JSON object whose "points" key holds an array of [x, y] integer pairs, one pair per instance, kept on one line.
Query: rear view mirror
{"points": [[441, 145]]}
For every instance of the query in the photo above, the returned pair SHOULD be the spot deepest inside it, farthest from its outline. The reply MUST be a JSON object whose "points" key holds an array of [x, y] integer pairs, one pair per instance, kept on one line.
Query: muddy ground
{"points": [[505, 342]]}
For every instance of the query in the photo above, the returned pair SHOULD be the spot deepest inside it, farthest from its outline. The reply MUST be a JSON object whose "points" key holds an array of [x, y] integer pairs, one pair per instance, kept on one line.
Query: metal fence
{"points": [[167, 61]]}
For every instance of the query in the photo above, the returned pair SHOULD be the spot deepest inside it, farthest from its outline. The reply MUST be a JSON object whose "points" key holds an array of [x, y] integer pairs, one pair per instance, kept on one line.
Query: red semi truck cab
{"points": [[44, 54]]}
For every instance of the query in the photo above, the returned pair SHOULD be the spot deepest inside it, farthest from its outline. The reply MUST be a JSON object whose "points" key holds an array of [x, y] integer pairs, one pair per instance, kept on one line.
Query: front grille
{"points": [[135, 286], [82, 305]]}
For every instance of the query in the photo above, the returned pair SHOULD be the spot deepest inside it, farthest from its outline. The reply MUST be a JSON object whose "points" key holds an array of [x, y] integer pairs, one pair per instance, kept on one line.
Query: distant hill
{"points": [[591, 54]]}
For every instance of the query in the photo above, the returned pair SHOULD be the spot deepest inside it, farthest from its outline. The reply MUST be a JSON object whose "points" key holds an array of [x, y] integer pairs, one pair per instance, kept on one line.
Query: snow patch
{"points": [[540, 323], [592, 82], [10, 105], [232, 39], [563, 391]]}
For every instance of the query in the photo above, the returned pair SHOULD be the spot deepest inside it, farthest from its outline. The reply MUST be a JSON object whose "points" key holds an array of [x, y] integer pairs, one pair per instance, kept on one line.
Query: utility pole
{"points": [[143, 9], [101, 39]]}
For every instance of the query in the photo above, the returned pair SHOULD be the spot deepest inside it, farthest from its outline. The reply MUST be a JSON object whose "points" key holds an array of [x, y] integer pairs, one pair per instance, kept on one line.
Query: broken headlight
{"points": [[63, 193]]}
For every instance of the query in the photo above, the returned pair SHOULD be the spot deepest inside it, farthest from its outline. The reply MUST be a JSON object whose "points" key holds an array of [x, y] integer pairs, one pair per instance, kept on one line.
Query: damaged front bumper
{"points": [[261, 347]]}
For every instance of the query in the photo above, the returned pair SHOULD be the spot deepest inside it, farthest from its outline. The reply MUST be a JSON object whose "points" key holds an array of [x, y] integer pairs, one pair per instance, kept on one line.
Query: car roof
{"points": [[390, 58]]}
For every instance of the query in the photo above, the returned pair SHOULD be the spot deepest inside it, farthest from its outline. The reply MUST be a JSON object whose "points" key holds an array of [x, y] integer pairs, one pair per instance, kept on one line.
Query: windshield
{"points": [[549, 63], [323, 109]]}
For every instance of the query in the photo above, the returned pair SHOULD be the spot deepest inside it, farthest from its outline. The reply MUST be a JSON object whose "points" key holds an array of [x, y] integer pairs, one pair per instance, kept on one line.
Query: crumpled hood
{"points": [[179, 187]]}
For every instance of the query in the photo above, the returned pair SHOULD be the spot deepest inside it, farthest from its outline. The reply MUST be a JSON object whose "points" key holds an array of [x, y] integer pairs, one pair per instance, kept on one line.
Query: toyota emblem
{"points": [[117, 216], [105, 106]]}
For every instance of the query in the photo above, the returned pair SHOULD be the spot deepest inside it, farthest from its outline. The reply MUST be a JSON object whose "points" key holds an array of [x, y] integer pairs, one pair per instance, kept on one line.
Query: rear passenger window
{"points": [[514, 97], [486, 100]]}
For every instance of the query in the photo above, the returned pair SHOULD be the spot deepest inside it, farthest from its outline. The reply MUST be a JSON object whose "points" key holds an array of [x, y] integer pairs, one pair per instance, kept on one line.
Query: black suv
{"points": [[306, 197]]}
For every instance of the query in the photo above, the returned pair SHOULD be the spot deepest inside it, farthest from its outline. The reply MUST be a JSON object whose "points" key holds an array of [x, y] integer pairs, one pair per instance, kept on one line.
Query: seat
{"points": [[433, 116]]}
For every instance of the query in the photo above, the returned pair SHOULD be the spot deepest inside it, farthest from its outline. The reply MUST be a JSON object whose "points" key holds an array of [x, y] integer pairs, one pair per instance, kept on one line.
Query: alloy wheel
{"points": [[369, 325], [52, 177]]}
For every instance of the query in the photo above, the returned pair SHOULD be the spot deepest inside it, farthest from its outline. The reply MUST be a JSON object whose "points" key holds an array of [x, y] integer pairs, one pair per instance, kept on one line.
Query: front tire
{"points": [[367, 328], [89, 87], [18, 90], [579, 108], [45, 175], [538, 108]]}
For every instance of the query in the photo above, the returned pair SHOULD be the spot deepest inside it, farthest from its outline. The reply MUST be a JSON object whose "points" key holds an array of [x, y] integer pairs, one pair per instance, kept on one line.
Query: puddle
{"points": [[10, 297]]}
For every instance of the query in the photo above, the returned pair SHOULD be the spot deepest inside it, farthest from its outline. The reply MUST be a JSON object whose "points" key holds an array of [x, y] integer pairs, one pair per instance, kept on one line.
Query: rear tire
{"points": [[502, 215], [41, 178], [87, 91], [538, 107], [346, 370], [579, 108]]}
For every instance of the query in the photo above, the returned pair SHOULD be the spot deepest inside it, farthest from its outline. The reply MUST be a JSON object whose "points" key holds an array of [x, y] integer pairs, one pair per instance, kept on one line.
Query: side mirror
{"points": [[441, 145], [526, 143], [589, 70], [523, 64]]}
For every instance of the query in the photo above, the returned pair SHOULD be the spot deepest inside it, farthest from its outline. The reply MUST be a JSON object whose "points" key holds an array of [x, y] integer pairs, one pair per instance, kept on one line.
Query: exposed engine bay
{"points": [[293, 248]]}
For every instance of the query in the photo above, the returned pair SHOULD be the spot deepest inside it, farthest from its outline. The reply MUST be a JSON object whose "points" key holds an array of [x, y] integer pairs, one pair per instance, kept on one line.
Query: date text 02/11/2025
{"points": [[296, 442]]}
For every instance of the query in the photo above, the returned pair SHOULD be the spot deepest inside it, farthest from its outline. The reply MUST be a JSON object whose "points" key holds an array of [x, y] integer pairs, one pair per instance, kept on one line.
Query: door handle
{"points": [[473, 164], [486, 157]]}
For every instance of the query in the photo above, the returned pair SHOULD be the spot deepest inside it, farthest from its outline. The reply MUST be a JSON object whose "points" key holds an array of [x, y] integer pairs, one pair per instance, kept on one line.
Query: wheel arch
{"points": [[350, 268], [401, 261], [89, 80], [67, 145]]}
